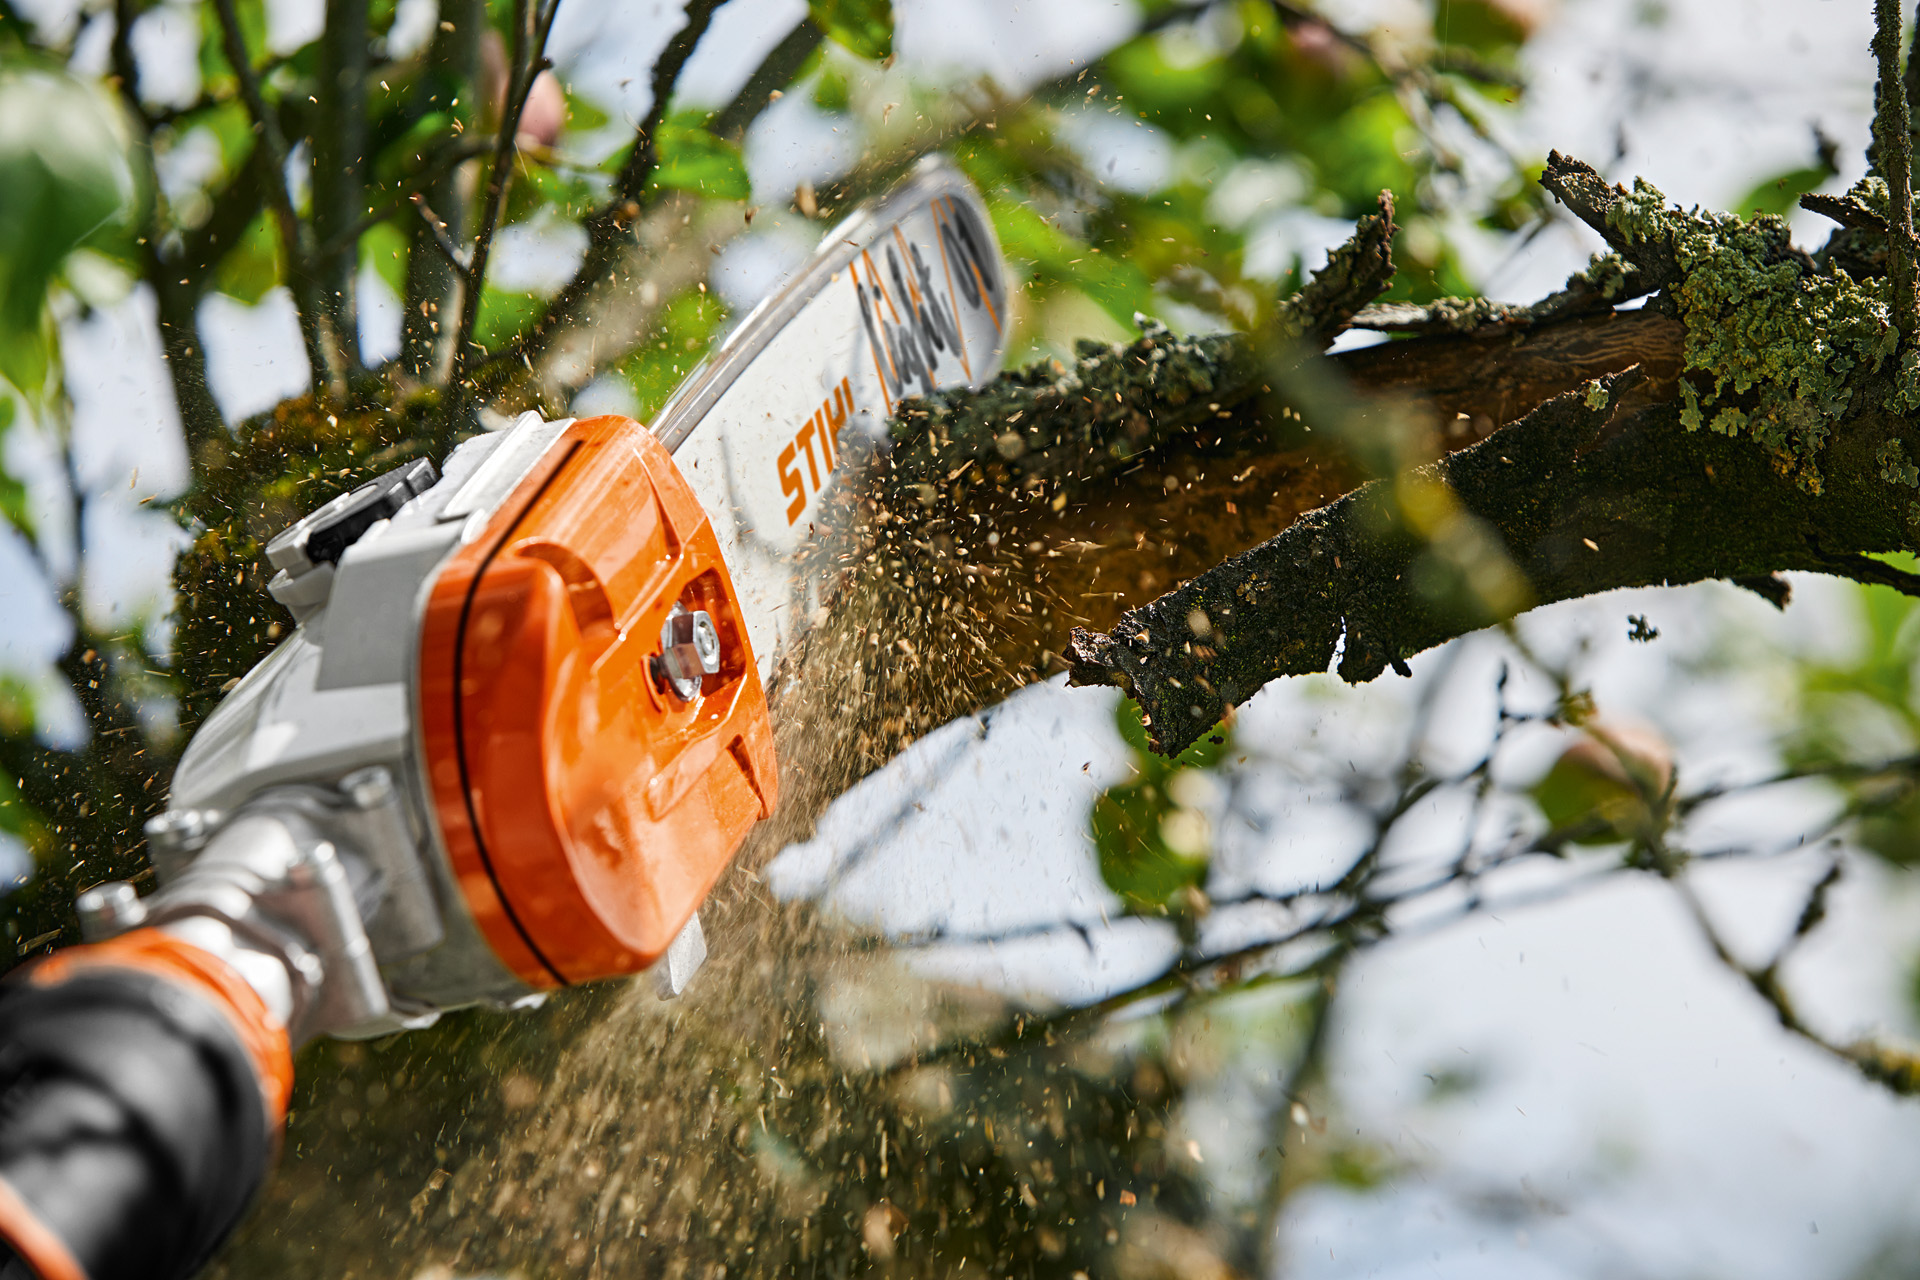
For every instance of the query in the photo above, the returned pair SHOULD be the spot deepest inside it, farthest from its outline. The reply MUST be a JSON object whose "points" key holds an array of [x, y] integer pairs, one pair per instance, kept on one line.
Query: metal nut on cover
{"points": [[689, 650], [174, 837], [109, 909]]}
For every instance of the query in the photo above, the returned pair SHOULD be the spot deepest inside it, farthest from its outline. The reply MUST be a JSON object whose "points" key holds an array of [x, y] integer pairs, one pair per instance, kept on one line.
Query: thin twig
{"points": [[530, 30], [438, 230], [294, 236], [608, 225], [1893, 141], [452, 158]]}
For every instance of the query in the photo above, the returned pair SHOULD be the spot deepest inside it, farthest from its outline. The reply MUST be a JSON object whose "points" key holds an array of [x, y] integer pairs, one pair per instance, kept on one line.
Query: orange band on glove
{"points": [[38, 1247], [162, 955]]}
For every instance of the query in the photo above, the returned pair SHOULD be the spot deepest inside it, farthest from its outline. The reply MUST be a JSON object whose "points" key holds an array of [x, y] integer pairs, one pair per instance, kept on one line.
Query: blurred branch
{"points": [[337, 163], [178, 286], [295, 237], [612, 229], [645, 156], [414, 189], [531, 25], [429, 302], [441, 239], [161, 116], [1376, 898], [1261, 1247], [775, 72], [1893, 144], [1895, 1068]]}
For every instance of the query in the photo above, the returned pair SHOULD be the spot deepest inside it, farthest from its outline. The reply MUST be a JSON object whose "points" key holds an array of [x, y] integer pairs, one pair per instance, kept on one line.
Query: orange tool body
{"points": [[518, 734], [641, 797]]}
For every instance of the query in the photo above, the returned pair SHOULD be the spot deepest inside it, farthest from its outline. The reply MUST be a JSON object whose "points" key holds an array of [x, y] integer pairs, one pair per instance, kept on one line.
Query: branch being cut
{"points": [[1048, 424], [1572, 498], [1786, 448]]}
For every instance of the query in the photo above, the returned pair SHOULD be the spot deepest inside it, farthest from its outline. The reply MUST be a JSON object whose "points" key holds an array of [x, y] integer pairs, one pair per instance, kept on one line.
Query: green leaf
{"points": [[412, 150], [692, 159], [1780, 195], [1118, 286], [67, 173], [569, 192], [863, 26], [832, 92], [13, 501], [1152, 846], [384, 249], [1130, 830], [679, 339], [253, 265], [1602, 784], [1488, 29], [583, 114]]}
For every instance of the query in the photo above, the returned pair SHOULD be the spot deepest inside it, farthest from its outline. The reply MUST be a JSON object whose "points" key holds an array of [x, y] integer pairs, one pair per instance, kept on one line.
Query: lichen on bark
{"points": [[1783, 345], [1775, 438]]}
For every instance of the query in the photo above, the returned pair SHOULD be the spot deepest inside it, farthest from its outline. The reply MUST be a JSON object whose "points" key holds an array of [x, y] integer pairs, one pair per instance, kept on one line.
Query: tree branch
{"points": [[1893, 144], [1496, 374], [338, 161], [613, 228], [645, 156], [530, 29], [1046, 424], [775, 71], [432, 295], [1592, 200], [1566, 502], [1896, 1068], [427, 180], [1610, 489], [177, 296], [323, 361]]}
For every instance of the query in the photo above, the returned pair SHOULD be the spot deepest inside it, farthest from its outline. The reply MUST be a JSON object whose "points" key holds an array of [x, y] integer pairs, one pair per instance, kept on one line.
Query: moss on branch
{"points": [[1786, 349], [1580, 496], [1763, 430], [1053, 423]]}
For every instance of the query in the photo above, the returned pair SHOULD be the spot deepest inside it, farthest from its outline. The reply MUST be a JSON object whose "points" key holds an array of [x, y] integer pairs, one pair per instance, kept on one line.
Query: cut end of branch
{"points": [[1624, 219], [1092, 661], [1356, 273], [1845, 210]]}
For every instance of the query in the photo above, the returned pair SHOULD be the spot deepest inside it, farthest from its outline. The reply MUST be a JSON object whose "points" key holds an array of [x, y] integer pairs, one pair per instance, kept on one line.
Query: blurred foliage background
{"points": [[190, 184], [444, 218]]}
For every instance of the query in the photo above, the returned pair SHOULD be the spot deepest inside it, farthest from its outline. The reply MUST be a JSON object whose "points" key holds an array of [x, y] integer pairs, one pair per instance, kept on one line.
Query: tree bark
{"points": [[1620, 486]]}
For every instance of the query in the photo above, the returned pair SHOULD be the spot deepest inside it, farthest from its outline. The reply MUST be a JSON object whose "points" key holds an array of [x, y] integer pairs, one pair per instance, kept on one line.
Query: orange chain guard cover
{"points": [[587, 810]]}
